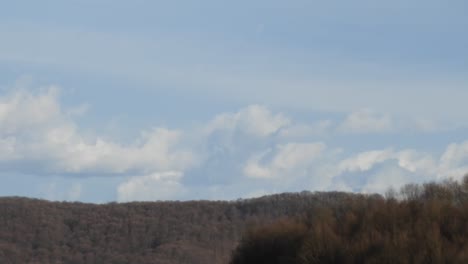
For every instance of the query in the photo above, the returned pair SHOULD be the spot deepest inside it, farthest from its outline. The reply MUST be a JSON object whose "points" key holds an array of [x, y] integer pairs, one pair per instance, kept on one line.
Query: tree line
{"points": [[426, 223], [418, 224], [39, 231]]}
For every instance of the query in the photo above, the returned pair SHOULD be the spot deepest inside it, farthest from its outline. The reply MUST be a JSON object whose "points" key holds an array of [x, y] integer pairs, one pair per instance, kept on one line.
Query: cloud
{"points": [[366, 121], [255, 120], [312, 166], [284, 160], [417, 162], [381, 169], [386, 177], [21, 111], [365, 161], [454, 161], [279, 75], [37, 135], [79, 110], [153, 151], [319, 128], [409, 159], [233, 154], [156, 186]]}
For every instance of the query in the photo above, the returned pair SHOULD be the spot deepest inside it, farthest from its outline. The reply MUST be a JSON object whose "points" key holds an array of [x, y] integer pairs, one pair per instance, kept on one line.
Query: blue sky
{"points": [[148, 100]]}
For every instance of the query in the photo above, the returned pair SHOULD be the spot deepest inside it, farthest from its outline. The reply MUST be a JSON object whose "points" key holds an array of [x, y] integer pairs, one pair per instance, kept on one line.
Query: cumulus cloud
{"points": [[283, 160], [21, 111], [417, 162], [156, 186], [409, 159], [386, 177], [254, 120], [229, 138], [306, 130], [271, 151], [381, 169], [454, 161], [37, 133], [313, 166], [365, 160], [366, 121], [154, 152]]}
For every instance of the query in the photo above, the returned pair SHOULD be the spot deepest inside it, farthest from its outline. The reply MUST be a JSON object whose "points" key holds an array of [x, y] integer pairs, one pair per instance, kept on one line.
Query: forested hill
{"points": [[38, 231], [418, 224]]}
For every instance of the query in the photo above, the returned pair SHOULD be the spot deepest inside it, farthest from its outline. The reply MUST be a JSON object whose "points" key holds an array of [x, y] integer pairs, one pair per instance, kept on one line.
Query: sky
{"points": [[142, 100]]}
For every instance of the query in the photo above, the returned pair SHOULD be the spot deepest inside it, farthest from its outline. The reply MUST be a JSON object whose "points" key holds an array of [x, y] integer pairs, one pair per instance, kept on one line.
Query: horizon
{"points": [[104, 101]]}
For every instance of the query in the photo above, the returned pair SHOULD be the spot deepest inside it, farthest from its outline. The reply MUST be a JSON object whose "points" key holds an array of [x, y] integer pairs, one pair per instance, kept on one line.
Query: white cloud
{"points": [[306, 130], [22, 111], [405, 166], [154, 152], [156, 186], [366, 121], [79, 110], [365, 161], [454, 155], [417, 162], [35, 130], [254, 120], [286, 159], [409, 159], [254, 169], [454, 161], [38, 136], [382, 180]]}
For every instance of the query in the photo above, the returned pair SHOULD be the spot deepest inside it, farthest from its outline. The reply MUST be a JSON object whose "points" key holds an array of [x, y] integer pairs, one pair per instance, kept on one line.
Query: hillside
{"points": [[419, 224], [38, 231]]}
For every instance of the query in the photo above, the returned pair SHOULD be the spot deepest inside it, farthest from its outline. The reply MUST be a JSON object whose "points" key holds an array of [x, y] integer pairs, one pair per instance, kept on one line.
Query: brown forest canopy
{"points": [[428, 224], [37, 231], [311, 226]]}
